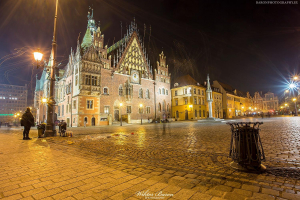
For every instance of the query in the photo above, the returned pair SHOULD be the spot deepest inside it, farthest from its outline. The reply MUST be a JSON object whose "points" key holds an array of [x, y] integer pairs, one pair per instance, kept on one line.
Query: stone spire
{"points": [[208, 84], [209, 98]]}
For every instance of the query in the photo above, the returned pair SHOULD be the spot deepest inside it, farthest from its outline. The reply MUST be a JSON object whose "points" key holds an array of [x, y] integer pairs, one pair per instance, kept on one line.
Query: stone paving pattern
{"points": [[186, 159]]}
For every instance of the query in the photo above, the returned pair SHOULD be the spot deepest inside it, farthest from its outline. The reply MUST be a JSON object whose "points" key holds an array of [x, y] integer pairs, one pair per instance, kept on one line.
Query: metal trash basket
{"points": [[41, 130], [62, 128], [246, 148]]}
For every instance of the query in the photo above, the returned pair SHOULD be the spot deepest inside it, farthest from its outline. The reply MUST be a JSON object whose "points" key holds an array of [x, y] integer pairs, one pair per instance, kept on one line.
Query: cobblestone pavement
{"points": [[180, 160]]}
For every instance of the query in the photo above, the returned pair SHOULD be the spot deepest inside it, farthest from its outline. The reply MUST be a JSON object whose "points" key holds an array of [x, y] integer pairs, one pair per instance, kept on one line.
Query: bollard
{"points": [[246, 149]]}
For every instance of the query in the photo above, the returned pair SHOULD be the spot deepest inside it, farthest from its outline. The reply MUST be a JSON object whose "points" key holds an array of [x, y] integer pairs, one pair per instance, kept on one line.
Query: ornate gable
{"points": [[134, 58]]}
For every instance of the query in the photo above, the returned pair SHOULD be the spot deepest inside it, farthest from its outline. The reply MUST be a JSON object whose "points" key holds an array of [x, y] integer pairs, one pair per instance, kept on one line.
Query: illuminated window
{"points": [[106, 109], [147, 94], [163, 91], [176, 93], [194, 90]]}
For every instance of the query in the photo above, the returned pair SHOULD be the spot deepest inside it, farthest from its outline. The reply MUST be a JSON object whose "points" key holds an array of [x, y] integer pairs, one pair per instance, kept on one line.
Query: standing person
{"points": [[27, 121], [84, 123]]}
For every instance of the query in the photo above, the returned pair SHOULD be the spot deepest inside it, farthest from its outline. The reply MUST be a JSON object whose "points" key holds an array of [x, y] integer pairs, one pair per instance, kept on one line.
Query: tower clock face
{"points": [[135, 76]]}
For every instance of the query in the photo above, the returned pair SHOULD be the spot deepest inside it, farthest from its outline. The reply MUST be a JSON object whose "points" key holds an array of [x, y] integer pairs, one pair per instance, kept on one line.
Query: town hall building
{"points": [[102, 84]]}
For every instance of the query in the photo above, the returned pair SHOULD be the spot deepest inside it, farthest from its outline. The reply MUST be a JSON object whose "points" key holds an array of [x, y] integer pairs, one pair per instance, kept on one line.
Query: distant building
{"points": [[268, 103], [13, 99], [258, 101], [188, 99]]}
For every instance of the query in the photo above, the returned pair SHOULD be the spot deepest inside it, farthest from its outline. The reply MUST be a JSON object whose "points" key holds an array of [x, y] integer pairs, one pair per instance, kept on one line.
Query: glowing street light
{"points": [[295, 78], [44, 100], [292, 85], [285, 104], [50, 128], [38, 55]]}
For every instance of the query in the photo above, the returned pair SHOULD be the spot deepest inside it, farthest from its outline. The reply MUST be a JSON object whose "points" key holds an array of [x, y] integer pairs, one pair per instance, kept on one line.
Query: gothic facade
{"points": [[102, 84]]}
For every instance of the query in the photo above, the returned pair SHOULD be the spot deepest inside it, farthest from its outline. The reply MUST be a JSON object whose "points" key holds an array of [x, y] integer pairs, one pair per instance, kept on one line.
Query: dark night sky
{"points": [[251, 47]]}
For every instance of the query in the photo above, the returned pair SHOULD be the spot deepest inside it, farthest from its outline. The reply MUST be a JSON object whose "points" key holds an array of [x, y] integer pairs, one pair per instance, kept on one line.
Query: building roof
{"points": [[229, 89], [186, 80], [87, 39]]}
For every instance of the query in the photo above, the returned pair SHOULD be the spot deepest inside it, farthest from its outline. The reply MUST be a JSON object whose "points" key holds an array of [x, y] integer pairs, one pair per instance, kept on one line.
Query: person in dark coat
{"points": [[27, 122]]}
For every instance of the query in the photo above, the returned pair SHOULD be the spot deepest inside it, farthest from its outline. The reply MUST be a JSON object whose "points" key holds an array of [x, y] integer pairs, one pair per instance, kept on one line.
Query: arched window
{"points": [[147, 94], [85, 119], [159, 107], [159, 91], [163, 91], [141, 93], [120, 90]]}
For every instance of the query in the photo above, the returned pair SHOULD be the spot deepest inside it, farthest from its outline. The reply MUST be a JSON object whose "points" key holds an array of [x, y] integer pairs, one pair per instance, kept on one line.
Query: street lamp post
{"points": [[296, 112], [121, 104], [50, 128], [141, 111]]}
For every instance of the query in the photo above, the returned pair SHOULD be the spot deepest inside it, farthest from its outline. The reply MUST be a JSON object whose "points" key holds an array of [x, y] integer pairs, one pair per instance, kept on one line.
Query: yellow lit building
{"points": [[217, 105], [235, 103], [188, 99]]}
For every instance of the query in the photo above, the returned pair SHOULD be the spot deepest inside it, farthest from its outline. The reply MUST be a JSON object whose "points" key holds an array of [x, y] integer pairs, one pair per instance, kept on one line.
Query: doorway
{"points": [[117, 115], [186, 115], [93, 121]]}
